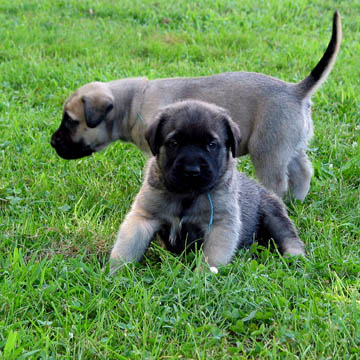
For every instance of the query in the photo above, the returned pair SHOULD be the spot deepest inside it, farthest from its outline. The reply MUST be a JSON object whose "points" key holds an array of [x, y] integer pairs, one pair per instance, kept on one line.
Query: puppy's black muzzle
{"points": [[66, 148], [191, 172]]}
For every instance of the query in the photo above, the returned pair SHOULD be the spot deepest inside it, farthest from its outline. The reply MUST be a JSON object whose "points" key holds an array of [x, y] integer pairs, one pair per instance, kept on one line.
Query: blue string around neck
{"points": [[211, 212]]}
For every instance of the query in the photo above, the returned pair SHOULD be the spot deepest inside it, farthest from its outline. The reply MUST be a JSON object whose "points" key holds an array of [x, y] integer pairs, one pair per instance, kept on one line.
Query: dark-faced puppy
{"points": [[189, 151], [193, 192]]}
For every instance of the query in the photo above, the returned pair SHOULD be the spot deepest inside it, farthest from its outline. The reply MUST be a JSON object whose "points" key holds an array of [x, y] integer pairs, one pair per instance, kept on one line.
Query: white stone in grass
{"points": [[214, 269]]}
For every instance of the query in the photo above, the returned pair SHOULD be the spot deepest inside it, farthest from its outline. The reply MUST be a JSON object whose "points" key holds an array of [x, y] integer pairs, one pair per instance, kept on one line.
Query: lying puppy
{"points": [[192, 192], [274, 116]]}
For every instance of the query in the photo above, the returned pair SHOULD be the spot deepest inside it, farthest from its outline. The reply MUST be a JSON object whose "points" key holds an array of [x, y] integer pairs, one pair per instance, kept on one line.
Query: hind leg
{"points": [[277, 225], [271, 156], [300, 173], [271, 171]]}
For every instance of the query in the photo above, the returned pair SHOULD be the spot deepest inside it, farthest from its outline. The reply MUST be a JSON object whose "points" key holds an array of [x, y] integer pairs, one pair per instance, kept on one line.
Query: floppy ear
{"points": [[153, 133], [96, 108], [233, 135]]}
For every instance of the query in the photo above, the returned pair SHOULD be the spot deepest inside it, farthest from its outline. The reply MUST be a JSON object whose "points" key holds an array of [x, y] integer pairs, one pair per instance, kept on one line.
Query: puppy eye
{"points": [[72, 123], [211, 145], [172, 144], [69, 122]]}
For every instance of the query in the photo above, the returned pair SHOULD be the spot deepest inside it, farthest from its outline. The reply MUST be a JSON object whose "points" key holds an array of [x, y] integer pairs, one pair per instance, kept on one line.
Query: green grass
{"points": [[58, 219]]}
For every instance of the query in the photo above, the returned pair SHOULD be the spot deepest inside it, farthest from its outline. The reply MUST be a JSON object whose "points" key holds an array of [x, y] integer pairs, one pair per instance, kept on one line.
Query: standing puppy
{"points": [[274, 116], [192, 192]]}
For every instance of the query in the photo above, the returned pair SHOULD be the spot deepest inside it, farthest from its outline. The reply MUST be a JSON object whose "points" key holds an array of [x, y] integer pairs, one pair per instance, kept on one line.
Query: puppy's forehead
{"points": [[196, 122], [74, 107]]}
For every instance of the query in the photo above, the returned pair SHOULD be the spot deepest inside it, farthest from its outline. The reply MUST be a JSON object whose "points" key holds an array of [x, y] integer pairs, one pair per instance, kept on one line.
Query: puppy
{"points": [[274, 116], [192, 192]]}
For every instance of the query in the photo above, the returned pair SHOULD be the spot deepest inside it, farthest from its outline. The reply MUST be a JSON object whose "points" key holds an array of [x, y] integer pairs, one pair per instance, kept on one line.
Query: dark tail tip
{"points": [[320, 72], [322, 65]]}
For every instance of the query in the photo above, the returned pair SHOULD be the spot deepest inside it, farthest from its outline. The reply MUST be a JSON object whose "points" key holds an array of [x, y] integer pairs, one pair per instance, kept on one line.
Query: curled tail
{"points": [[318, 75]]}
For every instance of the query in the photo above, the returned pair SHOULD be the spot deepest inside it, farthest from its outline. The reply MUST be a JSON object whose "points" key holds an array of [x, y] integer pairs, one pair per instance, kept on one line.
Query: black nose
{"points": [[192, 170], [56, 139], [53, 142]]}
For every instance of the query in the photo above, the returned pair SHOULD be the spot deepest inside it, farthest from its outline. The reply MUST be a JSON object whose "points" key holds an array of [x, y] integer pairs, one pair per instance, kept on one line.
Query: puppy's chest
{"points": [[182, 226]]}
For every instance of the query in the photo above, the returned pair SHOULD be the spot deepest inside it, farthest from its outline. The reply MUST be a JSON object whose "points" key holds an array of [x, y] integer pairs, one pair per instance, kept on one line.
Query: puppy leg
{"points": [[271, 157], [133, 238], [277, 225], [272, 172], [300, 173], [220, 245]]}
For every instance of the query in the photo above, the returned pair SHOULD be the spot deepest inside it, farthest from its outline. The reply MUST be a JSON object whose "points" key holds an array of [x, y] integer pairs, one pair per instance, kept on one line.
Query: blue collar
{"points": [[211, 212]]}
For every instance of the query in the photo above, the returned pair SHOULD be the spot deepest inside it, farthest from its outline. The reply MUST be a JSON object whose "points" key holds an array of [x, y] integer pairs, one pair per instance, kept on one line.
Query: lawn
{"points": [[59, 219]]}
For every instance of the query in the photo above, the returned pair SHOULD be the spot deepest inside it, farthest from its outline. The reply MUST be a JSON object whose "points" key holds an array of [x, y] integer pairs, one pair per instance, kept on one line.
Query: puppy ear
{"points": [[96, 108], [153, 133], [233, 135]]}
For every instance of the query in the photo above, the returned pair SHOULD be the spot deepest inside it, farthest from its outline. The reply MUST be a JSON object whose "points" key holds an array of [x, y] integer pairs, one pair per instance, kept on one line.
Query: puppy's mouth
{"points": [[74, 152], [181, 182], [67, 149]]}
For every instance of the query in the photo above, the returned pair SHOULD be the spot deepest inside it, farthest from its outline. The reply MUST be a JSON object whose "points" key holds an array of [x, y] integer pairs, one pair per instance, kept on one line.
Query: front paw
{"points": [[115, 265], [205, 267], [294, 250]]}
